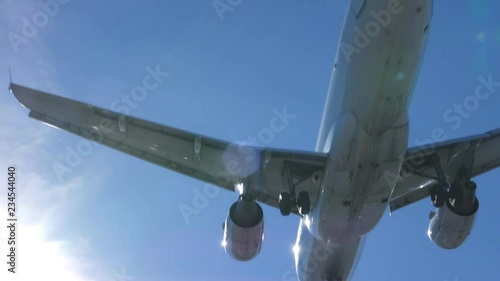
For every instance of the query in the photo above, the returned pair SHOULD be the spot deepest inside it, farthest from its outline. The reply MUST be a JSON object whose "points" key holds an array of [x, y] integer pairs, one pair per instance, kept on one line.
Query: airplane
{"points": [[361, 164]]}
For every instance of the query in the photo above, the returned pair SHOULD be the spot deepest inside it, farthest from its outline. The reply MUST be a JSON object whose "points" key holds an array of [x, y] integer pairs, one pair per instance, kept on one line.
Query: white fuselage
{"points": [[365, 131]]}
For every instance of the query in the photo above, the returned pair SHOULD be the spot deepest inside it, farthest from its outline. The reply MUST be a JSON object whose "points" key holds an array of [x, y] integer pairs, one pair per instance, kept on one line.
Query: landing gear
{"points": [[457, 192], [439, 192], [471, 186], [289, 201], [303, 203], [438, 195], [285, 201]]}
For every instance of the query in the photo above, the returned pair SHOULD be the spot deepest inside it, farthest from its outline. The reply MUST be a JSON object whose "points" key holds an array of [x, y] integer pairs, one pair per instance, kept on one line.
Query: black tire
{"points": [[471, 186], [285, 202], [438, 196], [304, 203], [456, 195]]}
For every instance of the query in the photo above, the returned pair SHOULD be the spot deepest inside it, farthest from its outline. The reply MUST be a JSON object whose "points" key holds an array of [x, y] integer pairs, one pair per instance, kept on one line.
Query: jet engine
{"points": [[244, 229], [451, 224]]}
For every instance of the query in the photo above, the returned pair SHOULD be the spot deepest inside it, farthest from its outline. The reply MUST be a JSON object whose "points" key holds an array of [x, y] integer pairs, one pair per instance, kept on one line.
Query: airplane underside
{"points": [[316, 259], [361, 164], [367, 136]]}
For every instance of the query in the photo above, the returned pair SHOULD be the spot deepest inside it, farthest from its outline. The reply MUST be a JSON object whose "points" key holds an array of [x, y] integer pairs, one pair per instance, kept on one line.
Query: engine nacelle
{"points": [[450, 225], [244, 229]]}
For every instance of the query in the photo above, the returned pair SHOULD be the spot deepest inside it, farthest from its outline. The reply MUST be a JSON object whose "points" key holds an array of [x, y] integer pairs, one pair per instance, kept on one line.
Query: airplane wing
{"points": [[266, 172], [473, 155]]}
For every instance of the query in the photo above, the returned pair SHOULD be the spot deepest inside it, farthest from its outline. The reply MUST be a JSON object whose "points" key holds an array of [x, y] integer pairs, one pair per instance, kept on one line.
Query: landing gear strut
{"points": [[442, 191], [288, 200], [303, 203], [439, 192]]}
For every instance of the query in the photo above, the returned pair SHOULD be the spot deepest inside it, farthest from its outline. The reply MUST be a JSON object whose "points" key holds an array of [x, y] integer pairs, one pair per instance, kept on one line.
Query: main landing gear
{"points": [[438, 195], [289, 201], [442, 191]]}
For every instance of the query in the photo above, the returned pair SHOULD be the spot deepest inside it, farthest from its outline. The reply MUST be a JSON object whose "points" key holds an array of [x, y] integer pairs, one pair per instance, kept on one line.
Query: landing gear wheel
{"points": [[438, 196], [285, 202], [455, 194], [303, 203], [471, 186]]}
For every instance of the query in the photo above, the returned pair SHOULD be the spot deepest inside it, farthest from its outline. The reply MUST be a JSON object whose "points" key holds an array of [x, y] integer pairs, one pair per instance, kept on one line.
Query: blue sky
{"points": [[114, 215]]}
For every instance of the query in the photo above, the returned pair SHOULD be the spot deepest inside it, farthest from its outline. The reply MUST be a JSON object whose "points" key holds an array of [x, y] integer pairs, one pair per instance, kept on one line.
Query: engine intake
{"points": [[244, 229], [451, 224]]}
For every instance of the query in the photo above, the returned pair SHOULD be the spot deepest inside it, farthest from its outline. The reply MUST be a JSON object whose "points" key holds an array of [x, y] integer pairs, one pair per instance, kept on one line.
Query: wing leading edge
{"points": [[226, 164], [213, 161]]}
